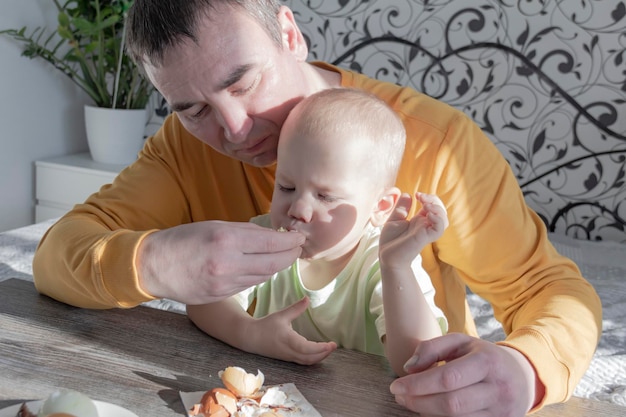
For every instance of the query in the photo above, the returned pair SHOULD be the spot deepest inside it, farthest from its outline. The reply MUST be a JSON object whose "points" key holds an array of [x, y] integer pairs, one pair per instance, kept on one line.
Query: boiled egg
{"points": [[67, 403]]}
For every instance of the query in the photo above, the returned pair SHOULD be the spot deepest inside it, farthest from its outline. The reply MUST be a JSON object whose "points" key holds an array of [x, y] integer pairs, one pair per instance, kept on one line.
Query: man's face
{"points": [[234, 89]]}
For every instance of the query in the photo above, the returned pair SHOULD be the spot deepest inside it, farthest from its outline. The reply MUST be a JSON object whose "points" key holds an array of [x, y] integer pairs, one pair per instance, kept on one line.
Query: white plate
{"points": [[104, 409]]}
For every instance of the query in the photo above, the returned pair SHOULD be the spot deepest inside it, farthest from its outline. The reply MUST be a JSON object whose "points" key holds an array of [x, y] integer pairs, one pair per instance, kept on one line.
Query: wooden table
{"points": [[141, 358]]}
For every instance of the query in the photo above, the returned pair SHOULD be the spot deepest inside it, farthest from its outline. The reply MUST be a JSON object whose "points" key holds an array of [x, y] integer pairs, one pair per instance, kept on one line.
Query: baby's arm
{"points": [[270, 336], [408, 316], [225, 320]]}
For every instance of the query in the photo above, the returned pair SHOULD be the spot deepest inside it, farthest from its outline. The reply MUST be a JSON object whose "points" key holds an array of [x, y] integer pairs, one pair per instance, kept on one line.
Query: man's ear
{"points": [[291, 34], [385, 206]]}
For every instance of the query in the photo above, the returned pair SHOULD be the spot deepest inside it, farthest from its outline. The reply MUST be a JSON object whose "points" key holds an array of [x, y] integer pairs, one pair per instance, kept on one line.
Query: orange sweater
{"points": [[494, 245]]}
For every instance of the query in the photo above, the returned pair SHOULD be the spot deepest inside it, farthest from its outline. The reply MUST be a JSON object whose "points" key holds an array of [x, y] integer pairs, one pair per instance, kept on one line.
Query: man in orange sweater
{"points": [[174, 223]]}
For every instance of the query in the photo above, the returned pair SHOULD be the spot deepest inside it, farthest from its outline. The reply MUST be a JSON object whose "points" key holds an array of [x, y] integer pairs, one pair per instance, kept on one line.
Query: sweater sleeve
{"points": [[84, 264], [499, 247], [87, 259], [495, 244]]}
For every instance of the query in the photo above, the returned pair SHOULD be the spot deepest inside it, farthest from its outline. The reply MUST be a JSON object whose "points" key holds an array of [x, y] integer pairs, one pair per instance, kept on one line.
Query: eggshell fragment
{"points": [[218, 402], [216, 410], [241, 383], [226, 399], [273, 396]]}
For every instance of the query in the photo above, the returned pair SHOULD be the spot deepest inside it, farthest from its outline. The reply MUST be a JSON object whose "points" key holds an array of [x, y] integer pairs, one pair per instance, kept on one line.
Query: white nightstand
{"points": [[66, 180]]}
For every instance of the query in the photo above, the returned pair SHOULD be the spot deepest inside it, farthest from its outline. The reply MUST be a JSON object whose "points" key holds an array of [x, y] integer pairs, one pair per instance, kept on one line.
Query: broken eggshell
{"points": [[273, 396], [240, 382], [218, 402]]}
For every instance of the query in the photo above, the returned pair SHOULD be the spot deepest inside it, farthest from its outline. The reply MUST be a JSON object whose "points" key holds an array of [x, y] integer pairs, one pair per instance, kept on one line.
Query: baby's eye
{"points": [[285, 189], [326, 198]]}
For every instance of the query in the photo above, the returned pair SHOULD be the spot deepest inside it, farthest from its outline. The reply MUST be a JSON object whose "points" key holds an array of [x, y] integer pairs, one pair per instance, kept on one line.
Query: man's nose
{"points": [[235, 121]]}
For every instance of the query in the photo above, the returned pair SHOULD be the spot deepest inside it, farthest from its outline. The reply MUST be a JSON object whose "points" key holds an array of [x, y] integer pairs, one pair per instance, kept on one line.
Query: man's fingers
{"points": [[468, 401], [476, 380], [264, 263], [442, 348], [460, 370], [254, 239], [447, 377]]}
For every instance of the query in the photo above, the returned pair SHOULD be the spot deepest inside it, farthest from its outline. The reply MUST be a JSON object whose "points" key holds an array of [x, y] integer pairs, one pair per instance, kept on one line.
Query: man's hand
{"points": [[273, 336], [203, 262], [479, 378]]}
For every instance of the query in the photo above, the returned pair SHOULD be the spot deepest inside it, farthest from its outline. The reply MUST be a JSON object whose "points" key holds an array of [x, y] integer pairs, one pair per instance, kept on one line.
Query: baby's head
{"points": [[338, 157], [353, 124]]}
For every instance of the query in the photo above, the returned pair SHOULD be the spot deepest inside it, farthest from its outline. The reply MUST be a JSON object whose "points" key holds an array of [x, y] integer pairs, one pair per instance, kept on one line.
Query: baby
{"points": [[359, 283]]}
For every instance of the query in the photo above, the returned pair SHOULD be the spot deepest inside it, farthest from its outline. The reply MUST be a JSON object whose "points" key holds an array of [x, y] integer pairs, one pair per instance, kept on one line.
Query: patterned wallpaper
{"points": [[545, 80]]}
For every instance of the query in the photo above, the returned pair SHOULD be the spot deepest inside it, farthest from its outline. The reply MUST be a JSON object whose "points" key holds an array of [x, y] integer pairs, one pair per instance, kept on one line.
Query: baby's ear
{"points": [[385, 206]]}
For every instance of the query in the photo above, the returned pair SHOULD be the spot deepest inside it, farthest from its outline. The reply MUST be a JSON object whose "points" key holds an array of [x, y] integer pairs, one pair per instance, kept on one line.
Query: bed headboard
{"points": [[546, 81]]}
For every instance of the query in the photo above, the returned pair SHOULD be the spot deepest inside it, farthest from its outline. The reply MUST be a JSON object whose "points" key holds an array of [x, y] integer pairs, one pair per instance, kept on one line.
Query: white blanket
{"points": [[602, 263]]}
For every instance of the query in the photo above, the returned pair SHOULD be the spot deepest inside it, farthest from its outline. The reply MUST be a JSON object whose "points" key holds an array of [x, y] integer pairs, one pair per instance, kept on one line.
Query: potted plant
{"points": [[88, 47]]}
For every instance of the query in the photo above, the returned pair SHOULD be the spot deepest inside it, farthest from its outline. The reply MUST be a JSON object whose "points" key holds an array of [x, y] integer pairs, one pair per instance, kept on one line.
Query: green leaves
{"points": [[64, 20], [88, 47]]}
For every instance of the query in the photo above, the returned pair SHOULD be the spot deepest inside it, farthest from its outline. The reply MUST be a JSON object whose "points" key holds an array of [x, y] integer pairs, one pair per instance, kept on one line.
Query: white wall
{"points": [[40, 112]]}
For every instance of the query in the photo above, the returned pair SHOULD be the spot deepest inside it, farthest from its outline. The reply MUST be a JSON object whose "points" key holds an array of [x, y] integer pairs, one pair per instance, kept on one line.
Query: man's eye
{"points": [[250, 87], [199, 113]]}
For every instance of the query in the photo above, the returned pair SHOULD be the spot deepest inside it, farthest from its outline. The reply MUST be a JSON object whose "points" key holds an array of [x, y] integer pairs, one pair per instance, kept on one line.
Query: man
{"points": [[231, 71]]}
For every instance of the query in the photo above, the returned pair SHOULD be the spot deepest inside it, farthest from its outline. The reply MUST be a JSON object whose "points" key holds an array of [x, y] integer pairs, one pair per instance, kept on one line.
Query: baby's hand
{"points": [[402, 239], [433, 217], [273, 336]]}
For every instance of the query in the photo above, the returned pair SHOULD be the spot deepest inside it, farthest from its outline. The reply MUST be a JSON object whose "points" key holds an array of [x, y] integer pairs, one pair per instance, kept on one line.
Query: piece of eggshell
{"points": [[218, 402], [216, 410], [226, 399], [241, 383]]}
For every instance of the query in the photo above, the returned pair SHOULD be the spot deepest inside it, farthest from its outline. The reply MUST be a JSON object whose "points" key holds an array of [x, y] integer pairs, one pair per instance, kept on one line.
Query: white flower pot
{"points": [[114, 136]]}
